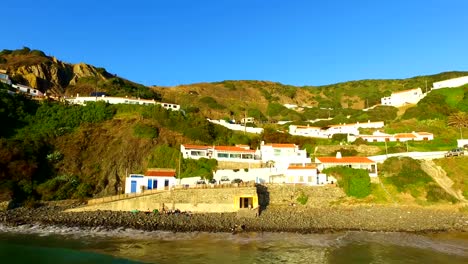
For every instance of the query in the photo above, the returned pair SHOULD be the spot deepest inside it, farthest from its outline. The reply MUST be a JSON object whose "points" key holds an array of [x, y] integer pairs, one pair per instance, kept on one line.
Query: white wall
{"points": [[237, 127], [455, 82], [142, 182]]}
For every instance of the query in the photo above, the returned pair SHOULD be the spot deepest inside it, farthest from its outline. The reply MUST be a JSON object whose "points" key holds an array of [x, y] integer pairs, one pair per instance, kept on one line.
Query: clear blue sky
{"points": [[303, 42]]}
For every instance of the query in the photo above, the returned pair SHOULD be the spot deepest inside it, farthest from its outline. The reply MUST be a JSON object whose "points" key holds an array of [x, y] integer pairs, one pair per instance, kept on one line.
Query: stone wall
{"points": [[285, 194]]}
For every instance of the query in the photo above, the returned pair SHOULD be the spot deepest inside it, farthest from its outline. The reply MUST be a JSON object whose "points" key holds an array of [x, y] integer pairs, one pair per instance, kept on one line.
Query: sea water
{"points": [[34, 244]]}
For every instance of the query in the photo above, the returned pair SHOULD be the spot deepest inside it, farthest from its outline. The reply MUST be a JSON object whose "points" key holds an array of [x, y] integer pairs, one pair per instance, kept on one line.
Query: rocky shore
{"points": [[274, 219]]}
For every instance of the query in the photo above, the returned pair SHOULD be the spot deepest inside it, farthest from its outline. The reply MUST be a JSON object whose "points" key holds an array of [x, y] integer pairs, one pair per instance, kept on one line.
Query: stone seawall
{"points": [[195, 200]]}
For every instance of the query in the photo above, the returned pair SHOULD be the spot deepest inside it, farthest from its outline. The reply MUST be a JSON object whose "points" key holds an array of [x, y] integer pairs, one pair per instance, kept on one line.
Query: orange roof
{"points": [[344, 160], [162, 173], [307, 167], [233, 149], [277, 145], [424, 133], [196, 147], [404, 135]]}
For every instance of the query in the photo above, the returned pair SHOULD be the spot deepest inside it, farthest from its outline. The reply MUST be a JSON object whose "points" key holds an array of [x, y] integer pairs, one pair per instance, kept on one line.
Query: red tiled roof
{"points": [[155, 173], [404, 135], [196, 147], [344, 160], [233, 149]]}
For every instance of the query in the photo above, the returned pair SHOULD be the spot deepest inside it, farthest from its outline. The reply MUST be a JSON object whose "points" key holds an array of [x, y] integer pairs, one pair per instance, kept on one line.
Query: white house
{"points": [[308, 131], [154, 179], [282, 155], [352, 162], [247, 120], [401, 98], [450, 83], [378, 136], [27, 90], [82, 100], [239, 153], [329, 131]]}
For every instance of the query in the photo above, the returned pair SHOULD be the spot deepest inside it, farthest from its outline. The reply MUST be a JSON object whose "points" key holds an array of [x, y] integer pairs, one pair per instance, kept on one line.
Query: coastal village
{"points": [[240, 166], [296, 177]]}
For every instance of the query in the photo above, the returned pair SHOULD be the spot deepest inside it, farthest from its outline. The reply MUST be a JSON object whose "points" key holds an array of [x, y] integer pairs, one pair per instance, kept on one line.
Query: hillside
{"points": [[53, 151]]}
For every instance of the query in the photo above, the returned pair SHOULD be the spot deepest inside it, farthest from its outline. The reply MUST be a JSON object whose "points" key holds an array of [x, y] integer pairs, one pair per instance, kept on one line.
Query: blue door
{"points": [[133, 187], [155, 184], [150, 184]]}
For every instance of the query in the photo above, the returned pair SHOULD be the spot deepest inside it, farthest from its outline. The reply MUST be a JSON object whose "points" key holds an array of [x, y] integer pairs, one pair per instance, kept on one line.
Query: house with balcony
{"points": [[27, 90], [239, 153], [351, 162], [329, 131], [281, 155]]}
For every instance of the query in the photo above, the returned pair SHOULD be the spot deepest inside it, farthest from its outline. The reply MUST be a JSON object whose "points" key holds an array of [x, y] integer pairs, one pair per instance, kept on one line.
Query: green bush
{"points": [[145, 131], [355, 182], [435, 194], [211, 102], [302, 198]]}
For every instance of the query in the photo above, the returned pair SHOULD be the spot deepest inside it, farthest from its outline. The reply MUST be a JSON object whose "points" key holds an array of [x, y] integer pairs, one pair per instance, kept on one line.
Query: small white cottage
{"points": [[154, 179]]}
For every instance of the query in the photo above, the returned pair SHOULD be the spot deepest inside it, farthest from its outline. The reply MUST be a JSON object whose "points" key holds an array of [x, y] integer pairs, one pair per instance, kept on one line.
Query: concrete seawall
{"points": [[194, 200], [218, 200]]}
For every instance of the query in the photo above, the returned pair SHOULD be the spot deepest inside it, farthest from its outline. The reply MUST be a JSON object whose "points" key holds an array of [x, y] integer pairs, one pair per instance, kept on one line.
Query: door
{"points": [[150, 184], [133, 187], [155, 184]]}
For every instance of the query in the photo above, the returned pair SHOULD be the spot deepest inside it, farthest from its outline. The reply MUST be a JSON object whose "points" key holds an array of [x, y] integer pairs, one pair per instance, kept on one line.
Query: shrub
{"points": [[211, 102], [302, 198], [435, 194]]}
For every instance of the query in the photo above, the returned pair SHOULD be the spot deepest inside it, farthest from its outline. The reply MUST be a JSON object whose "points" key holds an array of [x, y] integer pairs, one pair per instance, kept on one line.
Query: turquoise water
{"points": [[72, 245]]}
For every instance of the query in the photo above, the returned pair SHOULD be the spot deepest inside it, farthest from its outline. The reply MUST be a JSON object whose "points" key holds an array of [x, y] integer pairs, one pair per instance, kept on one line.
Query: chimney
{"points": [[338, 155]]}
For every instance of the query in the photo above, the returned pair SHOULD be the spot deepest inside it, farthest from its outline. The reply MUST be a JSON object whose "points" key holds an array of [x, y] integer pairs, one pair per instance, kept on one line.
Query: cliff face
{"points": [[47, 74]]}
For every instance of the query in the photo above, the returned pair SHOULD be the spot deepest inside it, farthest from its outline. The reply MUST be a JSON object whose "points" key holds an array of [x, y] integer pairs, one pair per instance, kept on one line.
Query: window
{"points": [[247, 156], [223, 155], [301, 178], [235, 156], [277, 152], [309, 179], [197, 153]]}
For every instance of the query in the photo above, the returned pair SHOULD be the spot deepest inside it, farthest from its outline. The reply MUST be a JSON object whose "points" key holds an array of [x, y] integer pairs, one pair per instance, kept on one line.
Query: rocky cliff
{"points": [[48, 74]]}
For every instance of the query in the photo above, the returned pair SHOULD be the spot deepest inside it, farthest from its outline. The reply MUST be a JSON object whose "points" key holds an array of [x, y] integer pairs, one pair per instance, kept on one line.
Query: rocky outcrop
{"points": [[52, 75]]}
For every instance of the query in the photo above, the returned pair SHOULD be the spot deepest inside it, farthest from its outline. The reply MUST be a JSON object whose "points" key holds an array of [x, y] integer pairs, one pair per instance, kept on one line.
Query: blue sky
{"points": [[293, 42]]}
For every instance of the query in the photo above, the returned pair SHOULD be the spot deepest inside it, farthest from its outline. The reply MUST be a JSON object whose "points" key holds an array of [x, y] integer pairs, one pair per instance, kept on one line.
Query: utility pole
{"points": [[426, 86], [245, 121], [178, 173]]}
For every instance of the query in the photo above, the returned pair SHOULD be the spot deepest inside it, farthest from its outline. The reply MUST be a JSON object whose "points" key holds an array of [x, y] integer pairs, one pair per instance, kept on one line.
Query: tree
{"points": [[458, 120]]}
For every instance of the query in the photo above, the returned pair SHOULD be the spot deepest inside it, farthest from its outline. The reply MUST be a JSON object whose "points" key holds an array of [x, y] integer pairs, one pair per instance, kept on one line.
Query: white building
{"points": [[237, 127], [378, 136], [154, 179], [351, 162], [329, 131], [27, 90], [4, 78], [401, 98], [247, 120], [450, 83], [82, 100], [306, 174]]}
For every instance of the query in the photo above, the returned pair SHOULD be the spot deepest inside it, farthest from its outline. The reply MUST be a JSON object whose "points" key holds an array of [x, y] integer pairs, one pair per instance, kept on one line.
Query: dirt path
{"points": [[440, 176]]}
